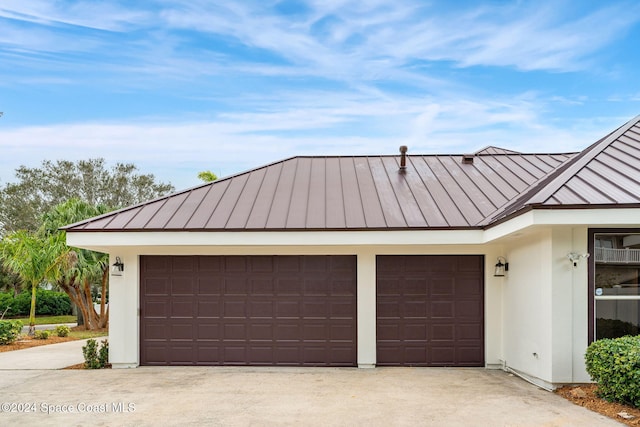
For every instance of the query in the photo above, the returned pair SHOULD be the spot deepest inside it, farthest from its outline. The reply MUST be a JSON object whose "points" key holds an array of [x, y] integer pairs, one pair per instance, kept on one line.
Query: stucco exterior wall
{"points": [[545, 306]]}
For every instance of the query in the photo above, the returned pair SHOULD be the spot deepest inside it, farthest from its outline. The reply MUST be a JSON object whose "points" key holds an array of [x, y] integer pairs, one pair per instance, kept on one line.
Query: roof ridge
{"points": [[544, 188]]}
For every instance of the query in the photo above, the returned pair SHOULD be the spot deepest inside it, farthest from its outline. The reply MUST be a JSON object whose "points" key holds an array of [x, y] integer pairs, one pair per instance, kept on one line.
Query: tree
{"points": [[77, 271], [9, 282], [39, 189], [30, 257], [207, 176]]}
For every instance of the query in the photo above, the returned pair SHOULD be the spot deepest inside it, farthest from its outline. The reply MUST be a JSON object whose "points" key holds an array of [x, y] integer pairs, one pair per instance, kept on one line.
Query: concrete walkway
{"points": [[50, 356]]}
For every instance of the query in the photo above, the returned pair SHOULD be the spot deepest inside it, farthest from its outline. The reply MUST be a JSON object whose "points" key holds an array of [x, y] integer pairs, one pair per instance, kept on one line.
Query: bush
{"points": [[41, 335], [615, 365], [9, 331], [49, 303], [62, 330], [5, 301], [94, 359]]}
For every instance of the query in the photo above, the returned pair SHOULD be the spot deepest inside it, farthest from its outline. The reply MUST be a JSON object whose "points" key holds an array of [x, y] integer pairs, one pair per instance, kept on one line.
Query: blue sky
{"points": [[178, 87]]}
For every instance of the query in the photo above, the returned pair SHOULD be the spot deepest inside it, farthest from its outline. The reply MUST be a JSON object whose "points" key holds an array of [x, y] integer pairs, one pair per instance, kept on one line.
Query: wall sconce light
{"points": [[574, 257], [117, 269], [501, 267]]}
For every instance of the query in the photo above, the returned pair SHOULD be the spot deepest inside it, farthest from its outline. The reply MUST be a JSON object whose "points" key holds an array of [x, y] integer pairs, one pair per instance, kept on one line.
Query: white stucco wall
{"points": [[545, 306]]}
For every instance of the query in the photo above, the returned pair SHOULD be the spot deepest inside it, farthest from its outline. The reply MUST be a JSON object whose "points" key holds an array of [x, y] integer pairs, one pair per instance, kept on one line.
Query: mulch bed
{"points": [[28, 342], [585, 395]]}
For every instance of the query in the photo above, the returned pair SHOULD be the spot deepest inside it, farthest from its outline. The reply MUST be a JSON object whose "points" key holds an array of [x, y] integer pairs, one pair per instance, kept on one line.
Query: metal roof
{"points": [[373, 192], [606, 174]]}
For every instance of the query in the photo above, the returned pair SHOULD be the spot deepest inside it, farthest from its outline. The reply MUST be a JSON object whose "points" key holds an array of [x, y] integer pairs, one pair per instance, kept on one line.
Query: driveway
{"points": [[226, 396]]}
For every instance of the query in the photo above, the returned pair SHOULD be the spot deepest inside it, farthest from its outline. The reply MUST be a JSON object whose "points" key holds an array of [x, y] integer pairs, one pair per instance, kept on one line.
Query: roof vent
{"points": [[403, 157], [467, 159]]}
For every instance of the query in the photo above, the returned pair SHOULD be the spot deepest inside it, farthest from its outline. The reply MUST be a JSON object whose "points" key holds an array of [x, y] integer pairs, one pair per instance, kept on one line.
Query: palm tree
{"points": [[29, 257], [76, 270]]}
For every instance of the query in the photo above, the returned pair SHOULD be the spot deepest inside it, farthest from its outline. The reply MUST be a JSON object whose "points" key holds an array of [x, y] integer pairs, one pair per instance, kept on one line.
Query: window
{"points": [[616, 288]]}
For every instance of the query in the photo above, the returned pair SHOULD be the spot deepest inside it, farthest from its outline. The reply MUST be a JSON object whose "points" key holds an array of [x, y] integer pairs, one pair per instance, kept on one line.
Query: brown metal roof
{"points": [[606, 174], [338, 193], [372, 192]]}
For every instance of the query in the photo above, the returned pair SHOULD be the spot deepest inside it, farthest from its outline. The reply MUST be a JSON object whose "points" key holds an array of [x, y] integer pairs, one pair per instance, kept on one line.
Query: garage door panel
{"points": [[414, 286], [442, 333], [442, 309], [235, 354], [208, 308], [242, 310], [208, 353], [209, 286], [439, 286], [260, 332], [235, 308], [469, 332], [341, 288], [157, 286], [261, 309], [181, 307], [157, 264], [472, 309], [235, 331], [235, 286], [156, 331], [288, 309], [388, 286], [340, 310], [178, 331], [288, 332], [209, 331], [434, 316], [157, 308], [208, 264], [287, 287], [262, 264]]}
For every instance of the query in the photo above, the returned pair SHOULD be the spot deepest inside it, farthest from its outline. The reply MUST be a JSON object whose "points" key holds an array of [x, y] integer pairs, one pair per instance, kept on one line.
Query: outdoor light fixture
{"points": [[117, 268], [574, 257], [501, 267]]}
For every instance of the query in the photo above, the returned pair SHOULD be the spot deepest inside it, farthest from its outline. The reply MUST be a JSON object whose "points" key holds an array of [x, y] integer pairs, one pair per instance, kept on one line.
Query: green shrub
{"points": [[103, 353], [94, 358], [9, 331], [615, 365], [41, 335], [62, 330], [49, 303], [6, 300]]}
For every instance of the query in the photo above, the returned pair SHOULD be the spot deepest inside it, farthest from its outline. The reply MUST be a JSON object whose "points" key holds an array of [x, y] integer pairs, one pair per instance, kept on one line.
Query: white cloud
{"points": [[176, 150]]}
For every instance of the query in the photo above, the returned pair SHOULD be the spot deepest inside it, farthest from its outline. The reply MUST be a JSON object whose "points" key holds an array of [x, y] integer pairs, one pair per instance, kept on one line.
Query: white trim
{"points": [[102, 241], [95, 240]]}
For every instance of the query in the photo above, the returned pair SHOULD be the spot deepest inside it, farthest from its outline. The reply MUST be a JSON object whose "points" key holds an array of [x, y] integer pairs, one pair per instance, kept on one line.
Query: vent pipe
{"points": [[403, 157]]}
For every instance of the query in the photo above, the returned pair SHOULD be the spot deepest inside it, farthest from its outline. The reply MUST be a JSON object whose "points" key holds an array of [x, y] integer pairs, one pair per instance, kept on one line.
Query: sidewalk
{"points": [[50, 356], [25, 329]]}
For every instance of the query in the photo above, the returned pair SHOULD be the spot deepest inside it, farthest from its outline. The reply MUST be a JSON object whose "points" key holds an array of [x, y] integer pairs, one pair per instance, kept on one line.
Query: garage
{"points": [[248, 310], [430, 310]]}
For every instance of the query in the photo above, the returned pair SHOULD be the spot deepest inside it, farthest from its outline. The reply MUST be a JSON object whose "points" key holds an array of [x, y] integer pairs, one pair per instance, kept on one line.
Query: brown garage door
{"points": [[248, 310], [430, 310]]}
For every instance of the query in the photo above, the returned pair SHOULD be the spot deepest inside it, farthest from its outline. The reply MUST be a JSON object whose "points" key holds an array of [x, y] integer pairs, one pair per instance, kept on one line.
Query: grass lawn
{"points": [[49, 320], [80, 335]]}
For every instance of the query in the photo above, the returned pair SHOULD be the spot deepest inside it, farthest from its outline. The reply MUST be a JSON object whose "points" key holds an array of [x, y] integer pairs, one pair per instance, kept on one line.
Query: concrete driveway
{"points": [[226, 396]]}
